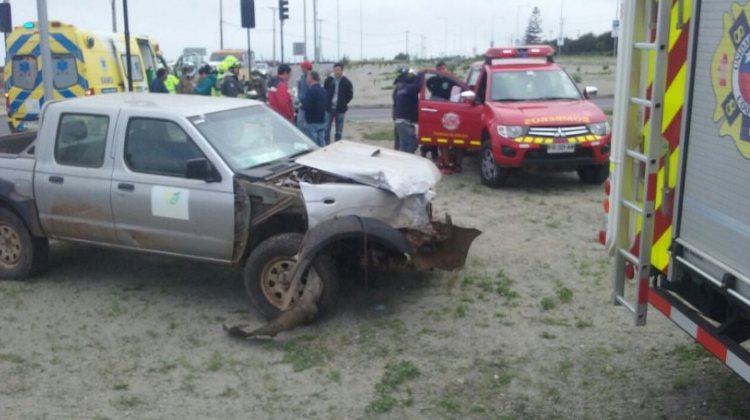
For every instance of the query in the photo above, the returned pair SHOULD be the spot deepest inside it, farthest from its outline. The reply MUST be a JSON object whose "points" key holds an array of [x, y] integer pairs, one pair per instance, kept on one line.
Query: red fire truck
{"points": [[522, 111], [678, 206]]}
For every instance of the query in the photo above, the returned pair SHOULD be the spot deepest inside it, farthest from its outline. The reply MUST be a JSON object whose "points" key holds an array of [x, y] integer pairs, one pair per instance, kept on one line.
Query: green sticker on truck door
{"points": [[172, 203]]}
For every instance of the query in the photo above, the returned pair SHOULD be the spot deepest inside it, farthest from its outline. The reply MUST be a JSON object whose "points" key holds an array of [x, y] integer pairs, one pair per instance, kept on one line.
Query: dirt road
{"points": [[525, 331]]}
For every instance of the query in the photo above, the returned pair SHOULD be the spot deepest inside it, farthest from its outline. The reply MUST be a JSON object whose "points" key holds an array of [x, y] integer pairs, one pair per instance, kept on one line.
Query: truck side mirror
{"points": [[200, 168], [468, 97], [589, 92]]}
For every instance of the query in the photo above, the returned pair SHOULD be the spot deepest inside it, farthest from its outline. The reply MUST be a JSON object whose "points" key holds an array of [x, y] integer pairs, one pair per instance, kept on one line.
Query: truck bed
{"points": [[14, 144]]}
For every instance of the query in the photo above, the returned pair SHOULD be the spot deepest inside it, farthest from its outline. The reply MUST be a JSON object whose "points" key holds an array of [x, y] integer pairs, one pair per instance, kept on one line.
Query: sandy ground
{"points": [[525, 331]]}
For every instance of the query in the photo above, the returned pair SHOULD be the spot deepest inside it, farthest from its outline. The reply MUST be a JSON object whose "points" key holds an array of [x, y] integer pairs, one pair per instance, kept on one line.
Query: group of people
{"points": [[323, 106], [406, 90], [320, 107], [224, 82]]}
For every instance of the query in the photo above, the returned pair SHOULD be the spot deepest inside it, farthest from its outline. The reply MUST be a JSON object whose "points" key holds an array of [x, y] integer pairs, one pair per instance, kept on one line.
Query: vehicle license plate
{"points": [[31, 125], [561, 148]]}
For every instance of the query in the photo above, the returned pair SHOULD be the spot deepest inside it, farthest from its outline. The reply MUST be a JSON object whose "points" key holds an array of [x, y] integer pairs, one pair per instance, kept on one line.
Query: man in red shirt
{"points": [[279, 98]]}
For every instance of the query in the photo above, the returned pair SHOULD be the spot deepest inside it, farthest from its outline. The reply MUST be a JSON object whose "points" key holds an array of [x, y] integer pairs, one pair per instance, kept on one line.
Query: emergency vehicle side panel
{"points": [[714, 210], [449, 122]]}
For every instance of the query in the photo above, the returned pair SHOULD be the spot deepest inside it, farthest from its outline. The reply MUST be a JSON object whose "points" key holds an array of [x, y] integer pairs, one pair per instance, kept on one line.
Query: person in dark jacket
{"points": [[279, 98], [157, 85], [340, 93], [407, 112], [402, 72], [230, 83], [314, 104]]}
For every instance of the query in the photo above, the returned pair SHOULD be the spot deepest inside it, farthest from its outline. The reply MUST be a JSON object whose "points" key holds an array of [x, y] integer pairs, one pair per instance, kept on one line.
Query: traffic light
{"points": [[283, 9]]}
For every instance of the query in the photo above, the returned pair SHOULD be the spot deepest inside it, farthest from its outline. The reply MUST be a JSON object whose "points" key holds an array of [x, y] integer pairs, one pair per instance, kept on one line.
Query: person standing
{"points": [[314, 106], [279, 98], [206, 81], [340, 93], [302, 88], [186, 85], [407, 112], [230, 83], [157, 85], [402, 71], [171, 82]]}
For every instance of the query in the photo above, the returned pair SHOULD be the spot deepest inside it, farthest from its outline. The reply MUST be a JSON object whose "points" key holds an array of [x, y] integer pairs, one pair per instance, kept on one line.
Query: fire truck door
{"points": [[446, 117]]}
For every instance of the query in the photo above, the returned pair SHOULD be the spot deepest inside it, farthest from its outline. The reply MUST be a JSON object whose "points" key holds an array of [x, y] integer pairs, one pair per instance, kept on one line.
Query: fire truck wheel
{"points": [[594, 174], [492, 174]]}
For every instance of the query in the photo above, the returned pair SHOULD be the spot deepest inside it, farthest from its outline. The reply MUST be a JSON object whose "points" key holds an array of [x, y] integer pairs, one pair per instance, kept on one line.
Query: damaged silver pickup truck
{"points": [[223, 181]]}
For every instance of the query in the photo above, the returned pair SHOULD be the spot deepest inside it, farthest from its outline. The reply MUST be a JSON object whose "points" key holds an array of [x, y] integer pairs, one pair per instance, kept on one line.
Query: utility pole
{"points": [[320, 39], [361, 50], [338, 33], [445, 37], [129, 64], [221, 24], [560, 40], [304, 27], [273, 16], [44, 50], [316, 51], [423, 53], [114, 16], [407, 46]]}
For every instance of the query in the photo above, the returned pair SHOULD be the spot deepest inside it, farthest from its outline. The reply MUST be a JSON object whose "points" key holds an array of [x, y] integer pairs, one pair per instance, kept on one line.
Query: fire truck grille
{"points": [[558, 132]]}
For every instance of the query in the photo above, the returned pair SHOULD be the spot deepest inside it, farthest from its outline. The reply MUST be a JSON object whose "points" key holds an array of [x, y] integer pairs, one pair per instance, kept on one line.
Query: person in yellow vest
{"points": [[221, 69], [171, 82]]}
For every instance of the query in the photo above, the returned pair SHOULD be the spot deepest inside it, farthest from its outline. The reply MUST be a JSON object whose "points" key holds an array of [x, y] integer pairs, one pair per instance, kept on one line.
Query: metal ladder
{"points": [[640, 161]]}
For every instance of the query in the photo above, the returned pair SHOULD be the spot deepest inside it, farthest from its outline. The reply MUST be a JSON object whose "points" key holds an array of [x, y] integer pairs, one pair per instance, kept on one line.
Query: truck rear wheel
{"points": [[593, 174], [20, 253], [268, 273], [491, 173]]}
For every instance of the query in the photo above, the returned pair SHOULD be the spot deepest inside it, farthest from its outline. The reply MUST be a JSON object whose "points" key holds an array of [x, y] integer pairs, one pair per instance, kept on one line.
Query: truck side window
{"points": [[81, 140], [159, 147]]}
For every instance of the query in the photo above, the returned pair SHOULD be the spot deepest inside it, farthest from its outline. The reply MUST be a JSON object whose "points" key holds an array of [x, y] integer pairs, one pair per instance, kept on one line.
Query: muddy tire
{"points": [[20, 253], [594, 174], [491, 173], [268, 272]]}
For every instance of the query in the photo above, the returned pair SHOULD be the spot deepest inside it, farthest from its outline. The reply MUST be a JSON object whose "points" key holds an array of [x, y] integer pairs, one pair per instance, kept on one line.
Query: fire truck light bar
{"points": [[519, 52]]}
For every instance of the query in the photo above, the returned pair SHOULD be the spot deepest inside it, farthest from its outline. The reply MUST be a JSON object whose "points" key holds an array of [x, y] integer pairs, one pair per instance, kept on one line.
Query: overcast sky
{"points": [[365, 28]]}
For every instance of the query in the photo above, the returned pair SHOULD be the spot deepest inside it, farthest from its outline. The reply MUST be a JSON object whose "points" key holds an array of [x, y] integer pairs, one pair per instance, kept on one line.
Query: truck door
{"points": [[445, 119], [74, 174], [156, 207], [185, 60]]}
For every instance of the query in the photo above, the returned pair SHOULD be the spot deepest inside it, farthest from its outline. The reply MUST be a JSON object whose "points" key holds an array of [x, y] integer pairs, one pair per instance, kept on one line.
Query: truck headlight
{"points": [[599, 129], [511, 131]]}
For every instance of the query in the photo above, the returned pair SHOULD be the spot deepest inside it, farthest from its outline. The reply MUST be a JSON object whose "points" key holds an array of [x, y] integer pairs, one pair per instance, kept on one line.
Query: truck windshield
{"points": [[252, 136], [532, 85]]}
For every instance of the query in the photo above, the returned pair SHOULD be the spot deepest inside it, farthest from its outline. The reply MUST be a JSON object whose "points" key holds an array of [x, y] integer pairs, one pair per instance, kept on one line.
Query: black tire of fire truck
{"points": [[269, 269], [593, 174], [21, 254], [491, 173]]}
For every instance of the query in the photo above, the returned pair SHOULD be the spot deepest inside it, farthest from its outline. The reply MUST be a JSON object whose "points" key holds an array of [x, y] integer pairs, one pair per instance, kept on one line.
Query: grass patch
{"points": [[216, 362], [379, 133], [127, 402], [300, 355], [394, 376], [450, 405], [548, 304], [689, 352], [564, 294], [12, 357]]}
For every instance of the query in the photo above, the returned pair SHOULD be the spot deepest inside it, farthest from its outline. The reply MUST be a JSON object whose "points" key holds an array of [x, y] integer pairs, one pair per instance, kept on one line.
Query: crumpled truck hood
{"points": [[401, 173]]}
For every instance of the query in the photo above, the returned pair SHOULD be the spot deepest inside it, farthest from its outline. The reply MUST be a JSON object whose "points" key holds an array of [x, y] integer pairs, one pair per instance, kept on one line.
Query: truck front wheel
{"points": [[492, 174], [594, 174], [20, 253], [269, 269]]}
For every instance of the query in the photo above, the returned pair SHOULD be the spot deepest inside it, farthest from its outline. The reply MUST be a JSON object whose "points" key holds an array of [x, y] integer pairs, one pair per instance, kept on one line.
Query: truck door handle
{"points": [[431, 110], [56, 179], [125, 187]]}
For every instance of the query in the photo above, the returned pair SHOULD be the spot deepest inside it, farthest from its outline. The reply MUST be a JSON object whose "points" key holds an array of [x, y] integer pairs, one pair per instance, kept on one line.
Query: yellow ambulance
{"points": [[84, 63]]}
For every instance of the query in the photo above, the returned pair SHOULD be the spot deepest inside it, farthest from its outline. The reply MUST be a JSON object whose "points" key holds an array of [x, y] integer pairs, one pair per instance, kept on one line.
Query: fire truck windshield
{"points": [[532, 85]]}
